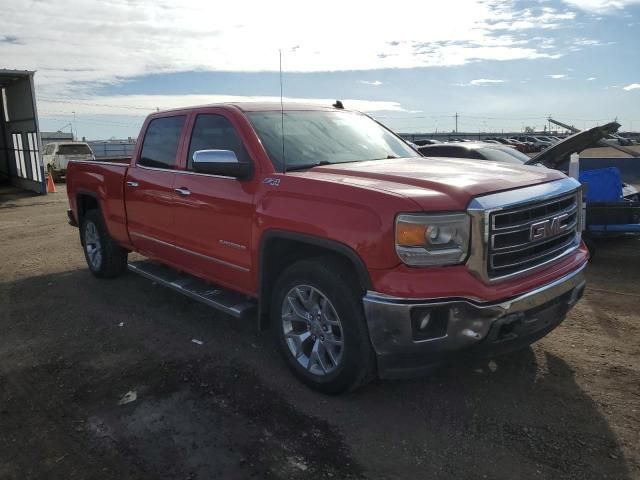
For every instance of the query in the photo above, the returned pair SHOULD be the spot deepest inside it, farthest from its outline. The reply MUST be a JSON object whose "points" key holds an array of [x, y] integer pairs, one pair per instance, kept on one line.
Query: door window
{"points": [[215, 132], [161, 140]]}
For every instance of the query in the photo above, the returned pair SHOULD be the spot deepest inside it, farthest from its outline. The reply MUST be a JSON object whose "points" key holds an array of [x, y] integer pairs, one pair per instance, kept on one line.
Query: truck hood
{"points": [[434, 183]]}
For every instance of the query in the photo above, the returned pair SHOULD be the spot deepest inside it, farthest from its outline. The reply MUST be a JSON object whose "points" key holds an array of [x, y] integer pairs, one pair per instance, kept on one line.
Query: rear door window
{"points": [[161, 140], [74, 150]]}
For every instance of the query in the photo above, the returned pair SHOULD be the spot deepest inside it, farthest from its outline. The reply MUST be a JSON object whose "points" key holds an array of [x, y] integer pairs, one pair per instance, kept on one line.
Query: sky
{"points": [[501, 65]]}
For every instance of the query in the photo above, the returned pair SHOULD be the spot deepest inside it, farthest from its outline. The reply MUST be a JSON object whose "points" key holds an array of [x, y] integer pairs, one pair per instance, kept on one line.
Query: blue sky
{"points": [[501, 65]]}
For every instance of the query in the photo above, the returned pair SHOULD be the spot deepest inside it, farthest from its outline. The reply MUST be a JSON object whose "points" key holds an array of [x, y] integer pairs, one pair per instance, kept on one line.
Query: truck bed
{"points": [[103, 181]]}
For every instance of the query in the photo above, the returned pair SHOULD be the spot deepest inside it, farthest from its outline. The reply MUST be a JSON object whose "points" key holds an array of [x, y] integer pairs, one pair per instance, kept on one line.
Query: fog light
{"points": [[429, 323], [467, 332], [424, 321]]}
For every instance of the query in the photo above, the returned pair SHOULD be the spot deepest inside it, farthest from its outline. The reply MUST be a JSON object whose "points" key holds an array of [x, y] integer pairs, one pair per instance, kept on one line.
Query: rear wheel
{"points": [[104, 256], [319, 325]]}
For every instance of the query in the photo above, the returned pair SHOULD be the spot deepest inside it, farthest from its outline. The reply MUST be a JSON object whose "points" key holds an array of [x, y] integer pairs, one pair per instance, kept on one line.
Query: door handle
{"points": [[132, 184], [183, 191]]}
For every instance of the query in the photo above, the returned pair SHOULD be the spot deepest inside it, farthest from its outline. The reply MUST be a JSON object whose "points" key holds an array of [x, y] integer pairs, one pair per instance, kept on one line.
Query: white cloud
{"points": [[135, 105], [633, 86], [601, 6], [526, 19], [77, 43], [590, 79], [375, 83], [482, 82], [557, 76]]}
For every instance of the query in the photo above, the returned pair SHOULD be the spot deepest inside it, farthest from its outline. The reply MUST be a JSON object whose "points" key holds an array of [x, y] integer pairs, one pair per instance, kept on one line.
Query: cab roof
{"points": [[258, 107]]}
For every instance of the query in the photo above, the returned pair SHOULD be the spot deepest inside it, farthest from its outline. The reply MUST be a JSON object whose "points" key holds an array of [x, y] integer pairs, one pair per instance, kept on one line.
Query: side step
{"points": [[230, 302]]}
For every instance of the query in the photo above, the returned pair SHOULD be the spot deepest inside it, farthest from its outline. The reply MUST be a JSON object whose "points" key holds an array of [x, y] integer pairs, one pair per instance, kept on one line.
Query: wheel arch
{"points": [[86, 201], [279, 249]]}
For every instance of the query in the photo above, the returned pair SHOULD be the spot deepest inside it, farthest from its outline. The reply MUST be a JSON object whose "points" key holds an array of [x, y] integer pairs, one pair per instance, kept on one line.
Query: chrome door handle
{"points": [[183, 191], [132, 184]]}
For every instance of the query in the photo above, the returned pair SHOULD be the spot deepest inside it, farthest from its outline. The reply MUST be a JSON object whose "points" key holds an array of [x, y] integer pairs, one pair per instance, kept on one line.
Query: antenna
{"points": [[284, 161]]}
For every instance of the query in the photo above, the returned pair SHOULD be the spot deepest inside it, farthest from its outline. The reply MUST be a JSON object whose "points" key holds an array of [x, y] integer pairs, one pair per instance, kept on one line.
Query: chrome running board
{"points": [[227, 301]]}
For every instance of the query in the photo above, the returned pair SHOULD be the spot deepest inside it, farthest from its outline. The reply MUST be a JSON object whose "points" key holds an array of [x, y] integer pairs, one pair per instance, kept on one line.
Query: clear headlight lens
{"points": [[438, 239]]}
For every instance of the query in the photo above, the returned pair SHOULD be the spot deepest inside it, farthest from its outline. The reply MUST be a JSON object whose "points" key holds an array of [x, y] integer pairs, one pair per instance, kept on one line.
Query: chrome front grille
{"points": [[529, 235]]}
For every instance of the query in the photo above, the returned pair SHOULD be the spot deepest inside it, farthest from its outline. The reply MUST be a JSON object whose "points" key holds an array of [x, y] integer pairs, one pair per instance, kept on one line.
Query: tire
{"points": [[334, 367], [105, 258]]}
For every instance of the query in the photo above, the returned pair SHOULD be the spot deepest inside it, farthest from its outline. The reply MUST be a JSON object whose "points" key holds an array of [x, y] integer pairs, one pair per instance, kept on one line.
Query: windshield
{"points": [[324, 137], [508, 155], [79, 149]]}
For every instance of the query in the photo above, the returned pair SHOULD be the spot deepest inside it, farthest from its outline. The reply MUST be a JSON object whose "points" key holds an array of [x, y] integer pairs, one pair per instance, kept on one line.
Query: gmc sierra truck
{"points": [[363, 258]]}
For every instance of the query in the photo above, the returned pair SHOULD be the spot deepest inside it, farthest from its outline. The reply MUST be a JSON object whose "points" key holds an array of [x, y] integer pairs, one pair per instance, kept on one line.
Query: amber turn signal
{"points": [[410, 234]]}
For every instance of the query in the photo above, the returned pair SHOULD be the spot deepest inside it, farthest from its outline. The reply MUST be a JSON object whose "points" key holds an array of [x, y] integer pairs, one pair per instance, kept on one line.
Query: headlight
{"points": [[441, 239]]}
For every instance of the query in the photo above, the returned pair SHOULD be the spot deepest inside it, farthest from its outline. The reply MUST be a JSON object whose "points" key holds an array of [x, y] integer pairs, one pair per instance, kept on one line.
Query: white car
{"points": [[57, 155]]}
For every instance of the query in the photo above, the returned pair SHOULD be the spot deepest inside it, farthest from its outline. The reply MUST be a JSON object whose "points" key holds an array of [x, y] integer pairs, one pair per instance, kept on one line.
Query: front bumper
{"points": [[412, 336]]}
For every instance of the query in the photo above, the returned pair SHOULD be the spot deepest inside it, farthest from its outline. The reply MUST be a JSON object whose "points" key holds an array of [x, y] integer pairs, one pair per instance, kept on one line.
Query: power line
{"points": [[100, 122], [106, 105]]}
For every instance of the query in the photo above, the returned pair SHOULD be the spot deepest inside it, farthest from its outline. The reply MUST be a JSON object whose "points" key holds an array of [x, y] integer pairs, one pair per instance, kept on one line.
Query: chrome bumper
{"points": [[456, 325]]}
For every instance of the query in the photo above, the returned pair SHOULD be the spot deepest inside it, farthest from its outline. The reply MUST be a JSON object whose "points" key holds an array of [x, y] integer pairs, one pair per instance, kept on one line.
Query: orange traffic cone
{"points": [[51, 187]]}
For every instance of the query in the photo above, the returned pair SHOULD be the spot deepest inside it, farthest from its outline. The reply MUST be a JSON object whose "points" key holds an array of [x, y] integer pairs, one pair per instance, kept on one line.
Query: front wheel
{"points": [[104, 256], [319, 325]]}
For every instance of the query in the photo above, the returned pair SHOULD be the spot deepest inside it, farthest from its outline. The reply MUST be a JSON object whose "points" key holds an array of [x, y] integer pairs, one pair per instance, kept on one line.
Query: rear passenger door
{"points": [[149, 194]]}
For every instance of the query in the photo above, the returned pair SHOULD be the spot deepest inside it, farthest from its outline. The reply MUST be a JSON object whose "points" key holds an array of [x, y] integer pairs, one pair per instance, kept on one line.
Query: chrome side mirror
{"points": [[221, 162]]}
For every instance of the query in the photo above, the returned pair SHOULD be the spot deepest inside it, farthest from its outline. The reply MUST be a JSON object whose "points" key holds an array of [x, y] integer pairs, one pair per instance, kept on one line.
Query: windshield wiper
{"points": [[326, 162], [307, 166]]}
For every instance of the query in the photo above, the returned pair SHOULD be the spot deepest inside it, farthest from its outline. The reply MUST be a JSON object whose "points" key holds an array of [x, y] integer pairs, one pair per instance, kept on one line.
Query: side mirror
{"points": [[221, 162]]}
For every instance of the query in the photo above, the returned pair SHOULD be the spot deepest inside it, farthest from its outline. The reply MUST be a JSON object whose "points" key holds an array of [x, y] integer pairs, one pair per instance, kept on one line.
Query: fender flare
{"points": [[332, 245]]}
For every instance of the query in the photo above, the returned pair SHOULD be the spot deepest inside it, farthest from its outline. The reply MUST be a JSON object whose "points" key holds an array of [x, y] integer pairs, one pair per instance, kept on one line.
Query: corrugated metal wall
{"points": [[20, 132]]}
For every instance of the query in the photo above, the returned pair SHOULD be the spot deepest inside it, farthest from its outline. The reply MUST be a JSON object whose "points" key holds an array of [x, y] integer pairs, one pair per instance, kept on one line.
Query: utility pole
{"points": [[456, 115]]}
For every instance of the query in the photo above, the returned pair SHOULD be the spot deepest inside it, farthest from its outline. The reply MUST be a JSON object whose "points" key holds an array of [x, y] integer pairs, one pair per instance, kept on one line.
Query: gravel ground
{"points": [[100, 379]]}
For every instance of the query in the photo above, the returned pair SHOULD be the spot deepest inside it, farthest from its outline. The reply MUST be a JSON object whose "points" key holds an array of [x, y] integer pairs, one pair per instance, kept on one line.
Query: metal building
{"points": [[20, 145]]}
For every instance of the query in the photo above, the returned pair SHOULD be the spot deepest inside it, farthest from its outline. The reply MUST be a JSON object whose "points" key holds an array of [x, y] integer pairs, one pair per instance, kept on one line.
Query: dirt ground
{"points": [[608, 152], [75, 349]]}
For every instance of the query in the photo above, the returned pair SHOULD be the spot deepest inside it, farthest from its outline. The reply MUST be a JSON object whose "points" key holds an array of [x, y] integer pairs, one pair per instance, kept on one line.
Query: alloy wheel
{"points": [[92, 245], [312, 330]]}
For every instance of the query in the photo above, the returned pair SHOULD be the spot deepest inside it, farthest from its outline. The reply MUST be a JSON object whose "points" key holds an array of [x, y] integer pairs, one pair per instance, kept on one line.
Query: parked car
{"points": [[495, 152], [537, 142], [618, 139], [363, 258], [510, 142], [523, 147], [56, 156], [426, 141], [557, 156]]}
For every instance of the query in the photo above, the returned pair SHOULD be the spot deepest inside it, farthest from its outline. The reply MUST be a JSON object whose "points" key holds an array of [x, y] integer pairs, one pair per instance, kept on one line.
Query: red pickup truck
{"points": [[363, 257]]}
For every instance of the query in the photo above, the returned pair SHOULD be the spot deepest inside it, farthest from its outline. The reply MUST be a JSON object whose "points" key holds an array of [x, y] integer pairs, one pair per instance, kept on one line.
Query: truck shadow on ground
{"points": [[73, 346], [522, 415]]}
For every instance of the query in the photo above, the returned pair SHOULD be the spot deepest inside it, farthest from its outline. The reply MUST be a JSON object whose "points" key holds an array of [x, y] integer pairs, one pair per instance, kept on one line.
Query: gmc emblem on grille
{"points": [[549, 227]]}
